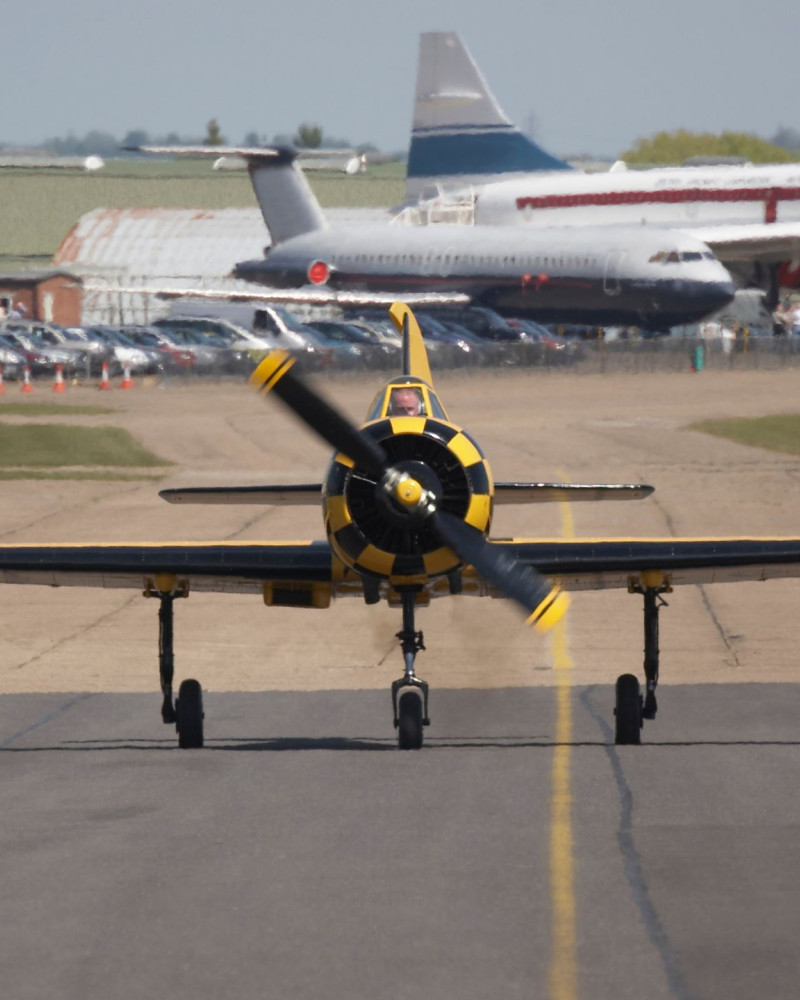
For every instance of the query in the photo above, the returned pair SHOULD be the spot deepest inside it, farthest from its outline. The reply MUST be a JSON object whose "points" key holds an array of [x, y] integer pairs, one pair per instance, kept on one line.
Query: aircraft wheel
{"points": [[409, 726], [628, 711], [189, 715]]}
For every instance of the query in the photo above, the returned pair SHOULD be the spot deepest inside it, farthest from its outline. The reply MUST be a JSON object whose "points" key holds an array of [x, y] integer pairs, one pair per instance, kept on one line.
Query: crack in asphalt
{"points": [[633, 866]]}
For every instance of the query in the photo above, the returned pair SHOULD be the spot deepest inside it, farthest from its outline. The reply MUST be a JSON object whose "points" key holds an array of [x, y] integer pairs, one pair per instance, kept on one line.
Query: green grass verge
{"points": [[38, 208], [778, 433], [52, 409], [37, 446]]}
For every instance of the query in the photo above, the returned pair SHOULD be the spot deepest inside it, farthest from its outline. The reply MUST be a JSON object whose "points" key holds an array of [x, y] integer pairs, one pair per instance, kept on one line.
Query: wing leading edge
{"points": [[251, 567]]}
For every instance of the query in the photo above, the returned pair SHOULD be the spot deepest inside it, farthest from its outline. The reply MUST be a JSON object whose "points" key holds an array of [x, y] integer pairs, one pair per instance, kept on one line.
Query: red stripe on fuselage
{"points": [[673, 196]]}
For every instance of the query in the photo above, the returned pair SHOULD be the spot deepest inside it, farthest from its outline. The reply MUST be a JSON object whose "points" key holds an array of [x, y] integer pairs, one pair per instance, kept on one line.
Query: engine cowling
{"points": [[374, 536]]}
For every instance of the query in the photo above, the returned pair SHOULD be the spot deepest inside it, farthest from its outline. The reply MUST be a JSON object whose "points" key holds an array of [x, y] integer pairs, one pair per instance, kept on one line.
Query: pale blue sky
{"points": [[594, 76]]}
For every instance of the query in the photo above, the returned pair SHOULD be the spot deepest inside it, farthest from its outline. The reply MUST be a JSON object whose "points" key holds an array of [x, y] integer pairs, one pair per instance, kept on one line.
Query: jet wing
{"points": [[307, 295], [590, 564], [770, 242], [222, 567]]}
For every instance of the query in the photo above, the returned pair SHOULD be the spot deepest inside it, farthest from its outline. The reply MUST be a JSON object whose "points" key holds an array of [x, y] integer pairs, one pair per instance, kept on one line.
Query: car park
{"points": [[41, 360], [125, 353], [84, 358]]}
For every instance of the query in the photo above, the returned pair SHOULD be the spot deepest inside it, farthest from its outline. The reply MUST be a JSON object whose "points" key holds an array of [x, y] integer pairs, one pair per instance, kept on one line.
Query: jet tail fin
{"points": [[460, 135], [415, 356], [287, 203]]}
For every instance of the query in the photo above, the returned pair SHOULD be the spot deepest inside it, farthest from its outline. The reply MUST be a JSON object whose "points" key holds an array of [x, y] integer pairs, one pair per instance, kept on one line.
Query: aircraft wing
{"points": [[221, 567], [591, 564], [307, 295], [300, 494], [246, 567], [769, 242], [507, 493]]}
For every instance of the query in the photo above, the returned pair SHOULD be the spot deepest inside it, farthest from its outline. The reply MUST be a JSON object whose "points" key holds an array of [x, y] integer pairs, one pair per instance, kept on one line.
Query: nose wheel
{"points": [[409, 693]]}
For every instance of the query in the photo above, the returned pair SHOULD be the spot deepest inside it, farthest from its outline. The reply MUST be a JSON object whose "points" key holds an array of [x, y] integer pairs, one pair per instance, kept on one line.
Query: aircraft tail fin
{"points": [[460, 134], [287, 203], [415, 356]]}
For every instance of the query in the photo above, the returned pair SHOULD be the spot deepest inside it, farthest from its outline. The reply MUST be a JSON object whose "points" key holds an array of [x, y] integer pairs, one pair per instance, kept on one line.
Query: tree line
{"points": [[98, 143]]}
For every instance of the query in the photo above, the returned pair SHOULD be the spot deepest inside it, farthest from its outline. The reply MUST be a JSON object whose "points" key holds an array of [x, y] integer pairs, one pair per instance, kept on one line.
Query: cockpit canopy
{"points": [[406, 397]]}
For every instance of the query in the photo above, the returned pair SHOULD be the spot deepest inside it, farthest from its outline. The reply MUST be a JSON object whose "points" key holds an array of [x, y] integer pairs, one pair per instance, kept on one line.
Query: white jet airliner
{"points": [[462, 142]]}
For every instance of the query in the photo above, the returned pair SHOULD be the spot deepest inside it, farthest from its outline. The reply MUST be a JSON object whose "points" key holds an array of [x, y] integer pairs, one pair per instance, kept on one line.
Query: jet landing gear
{"points": [[187, 711], [631, 709], [409, 693]]}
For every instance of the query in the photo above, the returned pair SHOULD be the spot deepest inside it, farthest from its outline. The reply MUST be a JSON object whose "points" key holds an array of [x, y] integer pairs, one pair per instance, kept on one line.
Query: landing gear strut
{"points": [[186, 711], [631, 709], [409, 693]]}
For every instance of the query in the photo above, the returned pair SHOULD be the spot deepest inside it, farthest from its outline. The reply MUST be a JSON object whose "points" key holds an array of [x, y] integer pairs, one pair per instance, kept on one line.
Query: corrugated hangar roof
{"points": [[162, 242], [117, 250]]}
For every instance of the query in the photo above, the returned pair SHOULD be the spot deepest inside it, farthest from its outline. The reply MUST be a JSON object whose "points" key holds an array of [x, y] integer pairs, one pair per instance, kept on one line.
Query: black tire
{"points": [[189, 715], [628, 711], [409, 715]]}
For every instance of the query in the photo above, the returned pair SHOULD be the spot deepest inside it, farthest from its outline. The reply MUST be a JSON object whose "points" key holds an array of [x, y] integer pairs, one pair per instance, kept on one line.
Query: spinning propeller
{"points": [[543, 602]]}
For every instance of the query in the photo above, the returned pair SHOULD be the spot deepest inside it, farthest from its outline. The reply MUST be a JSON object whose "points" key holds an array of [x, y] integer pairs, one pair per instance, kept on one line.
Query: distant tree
{"points": [[308, 137], [253, 139], [213, 135], [787, 138], [136, 137], [678, 146]]}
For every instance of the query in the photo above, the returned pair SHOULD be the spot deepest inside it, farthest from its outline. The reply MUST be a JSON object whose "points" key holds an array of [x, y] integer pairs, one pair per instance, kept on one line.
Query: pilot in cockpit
{"points": [[406, 401]]}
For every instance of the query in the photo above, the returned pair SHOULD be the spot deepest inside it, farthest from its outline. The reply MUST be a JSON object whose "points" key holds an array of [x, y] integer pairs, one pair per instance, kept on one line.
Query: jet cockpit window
{"points": [[691, 255]]}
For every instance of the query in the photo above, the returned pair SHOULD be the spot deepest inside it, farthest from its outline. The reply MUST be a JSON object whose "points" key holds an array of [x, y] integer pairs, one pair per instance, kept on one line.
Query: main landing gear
{"points": [[187, 710], [409, 693], [631, 709]]}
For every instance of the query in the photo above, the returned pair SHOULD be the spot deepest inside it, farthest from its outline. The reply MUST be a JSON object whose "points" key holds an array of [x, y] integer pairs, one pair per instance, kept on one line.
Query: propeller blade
{"points": [[543, 602], [274, 374]]}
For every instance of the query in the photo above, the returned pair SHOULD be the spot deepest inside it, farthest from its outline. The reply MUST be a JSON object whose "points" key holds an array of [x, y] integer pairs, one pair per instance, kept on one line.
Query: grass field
{"points": [[39, 207], [55, 451], [776, 433]]}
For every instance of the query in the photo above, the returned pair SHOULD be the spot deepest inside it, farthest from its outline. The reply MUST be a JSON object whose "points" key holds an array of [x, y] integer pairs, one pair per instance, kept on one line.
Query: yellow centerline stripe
{"points": [[563, 959]]}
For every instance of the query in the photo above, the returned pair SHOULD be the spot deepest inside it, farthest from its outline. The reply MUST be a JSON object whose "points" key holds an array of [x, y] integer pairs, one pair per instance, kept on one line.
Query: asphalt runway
{"points": [[300, 854], [519, 854]]}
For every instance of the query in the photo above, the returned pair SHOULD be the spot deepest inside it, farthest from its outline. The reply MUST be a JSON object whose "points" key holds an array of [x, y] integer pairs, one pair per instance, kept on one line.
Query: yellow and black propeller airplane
{"points": [[407, 503]]}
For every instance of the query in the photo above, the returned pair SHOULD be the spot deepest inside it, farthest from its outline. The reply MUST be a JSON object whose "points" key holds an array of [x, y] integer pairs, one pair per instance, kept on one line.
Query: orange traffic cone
{"points": [[58, 385], [26, 379], [2, 383], [104, 382], [127, 381]]}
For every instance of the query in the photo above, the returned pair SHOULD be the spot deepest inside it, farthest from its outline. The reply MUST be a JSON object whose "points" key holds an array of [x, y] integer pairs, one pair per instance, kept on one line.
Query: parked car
{"points": [[359, 346], [41, 361], [124, 351], [84, 357], [12, 360], [174, 357]]}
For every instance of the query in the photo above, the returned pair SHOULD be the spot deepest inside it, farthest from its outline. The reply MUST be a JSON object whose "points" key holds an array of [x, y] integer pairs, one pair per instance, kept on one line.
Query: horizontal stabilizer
{"points": [[567, 492], [294, 495]]}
